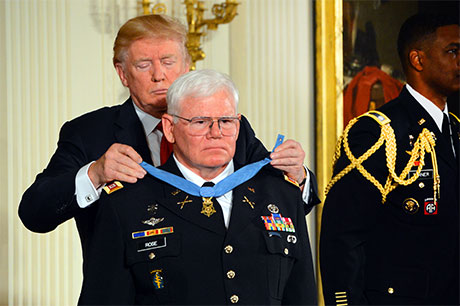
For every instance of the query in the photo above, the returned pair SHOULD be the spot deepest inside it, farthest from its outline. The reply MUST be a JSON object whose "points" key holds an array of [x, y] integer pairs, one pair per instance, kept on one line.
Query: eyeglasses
{"points": [[200, 126]]}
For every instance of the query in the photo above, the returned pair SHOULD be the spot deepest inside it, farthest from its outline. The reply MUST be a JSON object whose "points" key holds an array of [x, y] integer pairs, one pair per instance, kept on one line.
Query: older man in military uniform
{"points": [[177, 243], [390, 226]]}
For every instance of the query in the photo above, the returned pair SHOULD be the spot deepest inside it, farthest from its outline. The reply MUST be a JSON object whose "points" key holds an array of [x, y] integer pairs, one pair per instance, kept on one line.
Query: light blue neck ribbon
{"points": [[236, 178]]}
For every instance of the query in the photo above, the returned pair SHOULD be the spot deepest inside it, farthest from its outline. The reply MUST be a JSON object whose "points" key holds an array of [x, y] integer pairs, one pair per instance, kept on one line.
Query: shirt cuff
{"points": [[85, 192], [306, 189]]}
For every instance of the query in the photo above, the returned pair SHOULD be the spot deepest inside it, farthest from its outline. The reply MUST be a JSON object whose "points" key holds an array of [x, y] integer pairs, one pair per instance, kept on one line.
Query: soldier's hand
{"points": [[120, 162], [289, 157]]}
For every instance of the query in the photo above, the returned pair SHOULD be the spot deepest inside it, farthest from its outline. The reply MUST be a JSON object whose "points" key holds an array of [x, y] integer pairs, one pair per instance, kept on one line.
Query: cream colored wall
{"points": [[55, 64]]}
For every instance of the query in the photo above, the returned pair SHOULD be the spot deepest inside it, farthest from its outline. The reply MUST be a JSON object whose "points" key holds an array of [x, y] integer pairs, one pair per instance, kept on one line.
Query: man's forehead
{"points": [[156, 46], [448, 32]]}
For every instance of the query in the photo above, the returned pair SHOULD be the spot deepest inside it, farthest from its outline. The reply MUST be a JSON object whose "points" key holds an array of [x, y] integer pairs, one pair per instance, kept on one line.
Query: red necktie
{"points": [[165, 146]]}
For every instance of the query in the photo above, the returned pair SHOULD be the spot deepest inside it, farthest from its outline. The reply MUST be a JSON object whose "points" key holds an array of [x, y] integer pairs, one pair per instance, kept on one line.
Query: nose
{"points": [[158, 74], [214, 129]]}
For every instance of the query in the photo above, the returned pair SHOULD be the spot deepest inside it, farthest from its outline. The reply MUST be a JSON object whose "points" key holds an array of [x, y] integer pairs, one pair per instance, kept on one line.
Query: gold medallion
{"points": [[208, 207]]}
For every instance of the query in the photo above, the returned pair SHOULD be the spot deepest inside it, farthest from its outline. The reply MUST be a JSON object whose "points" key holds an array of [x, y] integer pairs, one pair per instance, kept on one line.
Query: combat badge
{"points": [[157, 279], [276, 222], [153, 221], [114, 186], [431, 207], [411, 206]]}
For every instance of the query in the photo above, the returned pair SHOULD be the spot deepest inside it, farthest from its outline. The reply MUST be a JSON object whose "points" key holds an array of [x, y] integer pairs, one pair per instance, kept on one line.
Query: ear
{"points": [[121, 74], [168, 127], [416, 59]]}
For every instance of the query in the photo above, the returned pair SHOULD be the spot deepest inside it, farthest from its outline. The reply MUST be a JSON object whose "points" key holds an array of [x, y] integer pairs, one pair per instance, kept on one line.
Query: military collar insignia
{"points": [[246, 200], [185, 201], [421, 121]]}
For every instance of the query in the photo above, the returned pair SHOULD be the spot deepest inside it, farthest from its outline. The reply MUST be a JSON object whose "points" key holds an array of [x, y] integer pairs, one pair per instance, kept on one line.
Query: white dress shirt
{"points": [[225, 201]]}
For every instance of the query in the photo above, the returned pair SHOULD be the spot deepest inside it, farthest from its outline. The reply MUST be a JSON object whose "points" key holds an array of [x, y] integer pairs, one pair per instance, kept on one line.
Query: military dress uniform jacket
{"points": [[51, 200], [191, 258], [405, 251]]}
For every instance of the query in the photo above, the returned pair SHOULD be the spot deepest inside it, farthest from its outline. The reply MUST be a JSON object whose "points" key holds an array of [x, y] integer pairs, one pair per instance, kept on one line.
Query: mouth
{"points": [[161, 91]]}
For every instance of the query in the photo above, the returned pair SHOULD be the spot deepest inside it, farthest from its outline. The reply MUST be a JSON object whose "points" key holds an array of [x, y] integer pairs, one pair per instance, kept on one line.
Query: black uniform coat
{"points": [[374, 253], [200, 262], [51, 200]]}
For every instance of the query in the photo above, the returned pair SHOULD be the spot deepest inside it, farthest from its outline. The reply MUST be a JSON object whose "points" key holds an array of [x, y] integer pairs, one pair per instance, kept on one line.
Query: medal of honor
{"points": [[208, 207]]}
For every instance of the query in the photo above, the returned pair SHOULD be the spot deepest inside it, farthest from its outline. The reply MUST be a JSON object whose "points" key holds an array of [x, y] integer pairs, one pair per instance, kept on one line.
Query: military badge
{"points": [[291, 239], [185, 201], [431, 206], [152, 209], [411, 206], [153, 232], [246, 200], [273, 208], [157, 279], [114, 186], [153, 221], [276, 222], [175, 192], [251, 190]]}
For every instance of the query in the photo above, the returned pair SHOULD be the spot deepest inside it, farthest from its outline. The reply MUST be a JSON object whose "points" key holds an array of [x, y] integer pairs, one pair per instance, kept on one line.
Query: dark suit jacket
{"points": [[50, 200], [378, 253], [193, 263]]}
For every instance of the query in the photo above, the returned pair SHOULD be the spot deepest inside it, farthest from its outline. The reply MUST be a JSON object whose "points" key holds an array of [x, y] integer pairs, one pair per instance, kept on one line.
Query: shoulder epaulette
{"points": [[113, 186], [453, 115], [380, 117]]}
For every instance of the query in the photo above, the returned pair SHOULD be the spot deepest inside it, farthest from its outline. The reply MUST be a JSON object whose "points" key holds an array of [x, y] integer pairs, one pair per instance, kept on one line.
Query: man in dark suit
{"points": [[390, 224], [157, 244], [108, 144]]}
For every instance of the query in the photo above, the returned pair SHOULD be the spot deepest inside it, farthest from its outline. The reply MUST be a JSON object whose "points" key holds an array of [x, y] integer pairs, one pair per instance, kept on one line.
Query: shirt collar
{"points": [[148, 121], [189, 175], [430, 107]]}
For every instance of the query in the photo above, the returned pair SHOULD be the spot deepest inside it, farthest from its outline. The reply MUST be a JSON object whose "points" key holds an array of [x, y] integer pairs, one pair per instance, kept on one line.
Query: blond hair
{"points": [[149, 26]]}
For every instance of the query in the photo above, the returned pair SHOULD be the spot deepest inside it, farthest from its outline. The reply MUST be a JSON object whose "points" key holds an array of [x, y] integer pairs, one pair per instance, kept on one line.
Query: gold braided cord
{"points": [[424, 143]]}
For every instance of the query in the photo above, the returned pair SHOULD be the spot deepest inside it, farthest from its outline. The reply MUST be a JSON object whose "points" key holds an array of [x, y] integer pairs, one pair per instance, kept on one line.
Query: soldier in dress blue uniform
{"points": [[156, 243], [390, 225]]}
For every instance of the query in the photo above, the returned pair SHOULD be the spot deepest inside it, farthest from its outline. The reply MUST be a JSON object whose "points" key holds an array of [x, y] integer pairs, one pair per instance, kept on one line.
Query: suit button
{"points": [[421, 185], [152, 255], [286, 251], [228, 249], [234, 299], [391, 290], [231, 274]]}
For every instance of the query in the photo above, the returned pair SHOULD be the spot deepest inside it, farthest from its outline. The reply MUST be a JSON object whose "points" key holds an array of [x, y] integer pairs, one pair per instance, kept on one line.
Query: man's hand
{"points": [[120, 162], [289, 157]]}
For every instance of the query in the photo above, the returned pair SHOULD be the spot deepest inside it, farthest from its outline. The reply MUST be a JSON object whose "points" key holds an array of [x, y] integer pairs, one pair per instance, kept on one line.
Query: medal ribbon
{"points": [[236, 178]]}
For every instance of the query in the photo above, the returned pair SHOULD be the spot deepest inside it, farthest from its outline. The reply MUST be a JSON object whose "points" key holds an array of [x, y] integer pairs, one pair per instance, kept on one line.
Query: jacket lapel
{"points": [[189, 207], [419, 119], [129, 131], [247, 205]]}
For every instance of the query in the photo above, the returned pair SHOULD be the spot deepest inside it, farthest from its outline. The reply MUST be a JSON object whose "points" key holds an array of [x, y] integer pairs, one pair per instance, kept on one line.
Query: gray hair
{"points": [[199, 83]]}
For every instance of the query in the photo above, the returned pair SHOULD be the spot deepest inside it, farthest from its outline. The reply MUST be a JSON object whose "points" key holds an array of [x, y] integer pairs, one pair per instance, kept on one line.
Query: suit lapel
{"points": [[189, 207], [129, 131], [455, 125]]}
